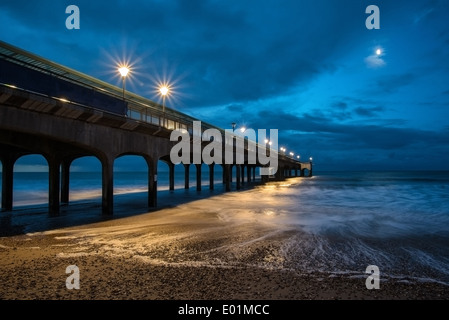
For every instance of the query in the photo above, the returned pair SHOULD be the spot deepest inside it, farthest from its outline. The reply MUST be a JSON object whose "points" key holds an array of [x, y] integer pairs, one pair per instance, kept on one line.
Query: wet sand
{"points": [[181, 252]]}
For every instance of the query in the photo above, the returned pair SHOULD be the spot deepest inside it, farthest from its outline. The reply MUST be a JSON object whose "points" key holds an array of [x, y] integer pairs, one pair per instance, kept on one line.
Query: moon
{"points": [[378, 52]]}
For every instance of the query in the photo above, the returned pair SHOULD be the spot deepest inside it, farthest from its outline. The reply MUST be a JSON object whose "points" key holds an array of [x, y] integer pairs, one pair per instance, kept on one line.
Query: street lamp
{"points": [[124, 70], [164, 92], [310, 159], [233, 126]]}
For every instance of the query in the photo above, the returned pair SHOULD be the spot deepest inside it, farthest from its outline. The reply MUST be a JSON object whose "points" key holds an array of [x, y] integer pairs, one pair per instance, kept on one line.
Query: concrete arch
{"points": [[66, 175], [108, 179], [171, 172], [28, 176]]}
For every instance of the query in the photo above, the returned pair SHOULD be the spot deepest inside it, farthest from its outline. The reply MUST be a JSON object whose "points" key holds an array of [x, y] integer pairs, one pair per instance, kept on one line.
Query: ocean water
{"points": [[31, 188], [398, 221], [342, 222]]}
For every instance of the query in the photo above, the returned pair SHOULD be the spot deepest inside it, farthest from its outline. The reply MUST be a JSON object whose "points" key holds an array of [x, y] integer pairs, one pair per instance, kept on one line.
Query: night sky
{"points": [[306, 67]]}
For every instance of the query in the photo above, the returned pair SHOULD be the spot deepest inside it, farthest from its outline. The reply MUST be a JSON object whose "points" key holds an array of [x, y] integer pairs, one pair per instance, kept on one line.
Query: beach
{"points": [[181, 252]]}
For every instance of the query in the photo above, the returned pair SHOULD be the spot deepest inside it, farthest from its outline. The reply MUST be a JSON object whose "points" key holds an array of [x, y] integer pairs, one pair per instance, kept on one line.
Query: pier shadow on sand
{"points": [[29, 219]]}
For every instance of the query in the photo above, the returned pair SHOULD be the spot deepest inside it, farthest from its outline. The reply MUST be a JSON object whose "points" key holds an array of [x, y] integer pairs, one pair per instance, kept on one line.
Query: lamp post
{"points": [[124, 70], [164, 91]]}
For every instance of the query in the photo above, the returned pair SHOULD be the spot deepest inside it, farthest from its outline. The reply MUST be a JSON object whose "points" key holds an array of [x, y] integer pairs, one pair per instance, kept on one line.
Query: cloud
{"points": [[368, 112], [374, 61], [423, 15], [232, 51]]}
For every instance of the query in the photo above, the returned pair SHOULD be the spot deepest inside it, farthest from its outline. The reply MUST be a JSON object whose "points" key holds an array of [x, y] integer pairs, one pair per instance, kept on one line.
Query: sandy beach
{"points": [[181, 252]]}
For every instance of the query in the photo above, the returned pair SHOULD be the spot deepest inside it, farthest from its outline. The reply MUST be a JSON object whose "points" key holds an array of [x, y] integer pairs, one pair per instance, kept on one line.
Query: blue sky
{"points": [[308, 68]]}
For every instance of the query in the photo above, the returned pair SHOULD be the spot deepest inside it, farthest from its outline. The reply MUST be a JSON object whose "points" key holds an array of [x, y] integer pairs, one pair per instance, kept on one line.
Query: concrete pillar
{"points": [[65, 180], [254, 173], [211, 176], [231, 173], [310, 171], [152, 183], [264, 178], [7, 182], [242, 167], [227, 173], [171, 167], [248, 173], [108, 186], [278, 174], [54, 173], [186, 176], [237, 167], [224, 175], [198, 177]]}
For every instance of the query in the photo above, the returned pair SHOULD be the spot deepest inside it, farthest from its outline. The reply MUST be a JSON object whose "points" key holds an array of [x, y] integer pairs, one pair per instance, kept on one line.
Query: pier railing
{"points": [[138, 108]]}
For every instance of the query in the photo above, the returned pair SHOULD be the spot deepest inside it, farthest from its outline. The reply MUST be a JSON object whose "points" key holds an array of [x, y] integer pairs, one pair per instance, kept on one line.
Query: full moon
{"points": [[378, 52]]}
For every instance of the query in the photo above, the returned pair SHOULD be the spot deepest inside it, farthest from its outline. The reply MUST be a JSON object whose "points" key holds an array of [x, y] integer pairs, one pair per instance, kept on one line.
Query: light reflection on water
{"points": [[348, 223], [338, 223]]}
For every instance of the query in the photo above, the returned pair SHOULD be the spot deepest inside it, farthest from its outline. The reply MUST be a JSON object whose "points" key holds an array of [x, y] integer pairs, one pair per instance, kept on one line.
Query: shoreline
{"points": [[180, 252]]}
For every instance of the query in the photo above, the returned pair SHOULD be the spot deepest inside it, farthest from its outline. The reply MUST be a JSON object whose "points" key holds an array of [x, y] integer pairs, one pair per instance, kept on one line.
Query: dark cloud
{"points": [[235, 108], [340, 105], [368, 112], [231, 58], [349, 135], [230, 50]]}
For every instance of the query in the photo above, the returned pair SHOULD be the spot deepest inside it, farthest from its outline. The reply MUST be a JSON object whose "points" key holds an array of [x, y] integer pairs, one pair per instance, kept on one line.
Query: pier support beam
{"points": [[248, 173], [226, 174], [107, 186], [152, 183], [186, 176], [54, 174], [237, 167], [7, 182], [65, 180], [211, 176], [243, 173], [171, 167], [198, 177]]}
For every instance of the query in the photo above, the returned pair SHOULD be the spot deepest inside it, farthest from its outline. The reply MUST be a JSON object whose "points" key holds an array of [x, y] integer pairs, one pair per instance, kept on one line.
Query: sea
{"points": [[397, 221]]}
